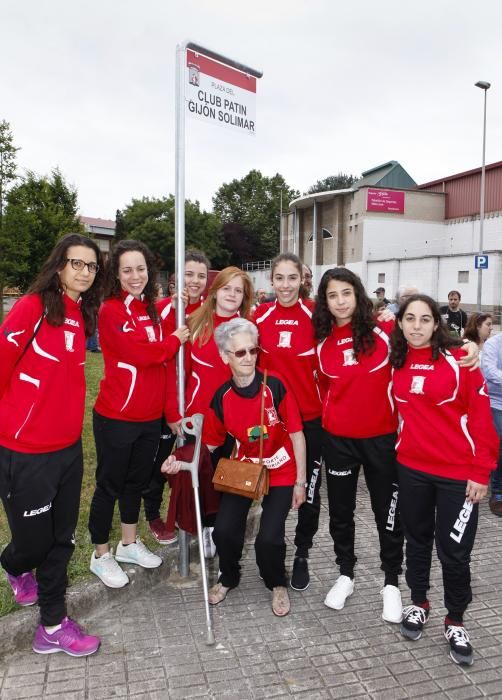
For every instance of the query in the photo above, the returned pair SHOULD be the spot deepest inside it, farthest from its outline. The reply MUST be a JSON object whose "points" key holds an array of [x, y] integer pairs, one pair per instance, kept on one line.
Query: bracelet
{"points": [[301, 484]]}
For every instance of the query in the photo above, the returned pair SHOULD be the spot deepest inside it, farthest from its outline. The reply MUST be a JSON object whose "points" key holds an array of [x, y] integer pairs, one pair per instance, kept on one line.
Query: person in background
{"points": [[455, 317], [478, 329], [287, 346], [235, 409], [195, 280], [129, 407], [403, 293], [306, 289], [261, 297], [42, 395], [171, 285], [491, 367], [380, 295], [446, 449]]}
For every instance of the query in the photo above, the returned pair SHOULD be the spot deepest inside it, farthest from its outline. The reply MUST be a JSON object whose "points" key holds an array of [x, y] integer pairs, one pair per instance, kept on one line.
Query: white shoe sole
{"points": [[108, 584], [124, 560], [394, 621]]}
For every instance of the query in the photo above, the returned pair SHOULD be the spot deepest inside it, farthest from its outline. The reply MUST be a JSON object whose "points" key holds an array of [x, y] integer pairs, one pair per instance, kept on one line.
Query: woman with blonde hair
{"points": [[230, 295]]}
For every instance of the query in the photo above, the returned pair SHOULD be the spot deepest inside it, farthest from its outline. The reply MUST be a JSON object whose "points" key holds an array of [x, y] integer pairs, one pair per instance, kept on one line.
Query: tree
{"points": [[39, 210], [253, 204], [152, 221], [333, 182], [9, 257]]}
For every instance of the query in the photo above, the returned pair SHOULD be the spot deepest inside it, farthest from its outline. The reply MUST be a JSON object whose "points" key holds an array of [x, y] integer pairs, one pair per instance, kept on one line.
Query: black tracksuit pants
{"points": [[152, 497], [308, 513], [41, 497], [125, 454], [434, 508], [270, 546], [343, 457]]}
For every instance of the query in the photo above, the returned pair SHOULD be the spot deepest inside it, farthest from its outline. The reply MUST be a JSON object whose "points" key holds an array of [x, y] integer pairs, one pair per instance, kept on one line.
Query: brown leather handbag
{"points": [[248, 479]]}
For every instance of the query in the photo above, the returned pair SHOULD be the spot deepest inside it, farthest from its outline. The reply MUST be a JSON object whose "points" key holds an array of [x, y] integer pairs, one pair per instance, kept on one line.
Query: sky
{"points": [[88, 87]]}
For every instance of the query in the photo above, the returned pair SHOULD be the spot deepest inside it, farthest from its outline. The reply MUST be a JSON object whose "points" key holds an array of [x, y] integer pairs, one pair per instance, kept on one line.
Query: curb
{"points": [[88, 598]]}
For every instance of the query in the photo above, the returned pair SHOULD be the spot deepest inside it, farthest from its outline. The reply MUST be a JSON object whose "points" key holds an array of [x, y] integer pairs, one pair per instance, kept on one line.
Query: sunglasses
{"points": [[242, 353]]}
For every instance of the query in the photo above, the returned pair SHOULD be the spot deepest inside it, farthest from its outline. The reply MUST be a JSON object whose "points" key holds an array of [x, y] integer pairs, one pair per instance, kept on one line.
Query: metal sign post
{"points": [[221, 91]]}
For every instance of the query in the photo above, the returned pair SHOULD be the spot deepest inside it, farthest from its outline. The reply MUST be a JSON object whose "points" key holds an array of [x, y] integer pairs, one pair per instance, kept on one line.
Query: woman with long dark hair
{"points": [[195, 280], [479, 328], [360, 423], [128, 410], [446, 449], [287, 346], [42, 395]]}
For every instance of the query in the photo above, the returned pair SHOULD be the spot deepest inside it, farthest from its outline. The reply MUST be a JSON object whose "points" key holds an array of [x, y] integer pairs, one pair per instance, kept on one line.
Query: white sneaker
{"points": [[137, 553], [392, 604], [209, 545], [338, 594], [106, 568]]}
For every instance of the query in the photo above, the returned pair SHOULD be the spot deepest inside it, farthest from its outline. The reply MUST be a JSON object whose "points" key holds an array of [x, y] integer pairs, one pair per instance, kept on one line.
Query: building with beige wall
{"points": [[411, 242]]}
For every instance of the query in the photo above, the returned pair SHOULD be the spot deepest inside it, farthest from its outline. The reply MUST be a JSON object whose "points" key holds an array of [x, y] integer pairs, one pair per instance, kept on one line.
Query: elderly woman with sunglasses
{"points": [[235, 410]]}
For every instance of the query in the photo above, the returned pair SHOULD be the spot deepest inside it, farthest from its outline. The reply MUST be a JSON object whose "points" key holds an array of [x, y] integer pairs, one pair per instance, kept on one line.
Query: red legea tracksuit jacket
{"points": [[288, 345], [135, 350], [358, 403], [446, 423], [42, 397]]}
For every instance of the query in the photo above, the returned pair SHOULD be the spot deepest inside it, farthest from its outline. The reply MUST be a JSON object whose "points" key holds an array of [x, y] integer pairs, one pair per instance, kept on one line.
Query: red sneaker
{"points": [[158, 530]]}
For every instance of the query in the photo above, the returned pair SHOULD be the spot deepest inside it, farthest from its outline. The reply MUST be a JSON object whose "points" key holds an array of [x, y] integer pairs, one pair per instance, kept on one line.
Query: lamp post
{"points": [[484, 86], [280, 221]]}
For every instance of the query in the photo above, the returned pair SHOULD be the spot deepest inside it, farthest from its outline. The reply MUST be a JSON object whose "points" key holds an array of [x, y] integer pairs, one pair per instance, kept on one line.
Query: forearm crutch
{"points": [[193, 426]]}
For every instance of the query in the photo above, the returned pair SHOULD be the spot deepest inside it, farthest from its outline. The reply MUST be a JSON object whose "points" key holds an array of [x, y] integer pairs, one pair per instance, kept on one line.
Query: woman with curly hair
{"points": [[128, 410], [361, 425], [42, 395], [446, 449]]}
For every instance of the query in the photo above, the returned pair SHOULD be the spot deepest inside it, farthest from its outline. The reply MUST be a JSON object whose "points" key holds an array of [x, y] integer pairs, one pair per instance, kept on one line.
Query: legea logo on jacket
{"points": [[37, 511]]}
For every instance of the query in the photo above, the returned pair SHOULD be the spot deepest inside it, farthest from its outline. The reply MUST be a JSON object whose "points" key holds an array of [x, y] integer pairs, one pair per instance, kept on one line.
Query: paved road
{"points": [[154, 647]]}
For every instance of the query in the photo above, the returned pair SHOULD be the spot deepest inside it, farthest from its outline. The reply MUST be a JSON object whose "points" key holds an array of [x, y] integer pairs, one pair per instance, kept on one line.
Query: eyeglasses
{"points": [[80, 264], [242, 353]]}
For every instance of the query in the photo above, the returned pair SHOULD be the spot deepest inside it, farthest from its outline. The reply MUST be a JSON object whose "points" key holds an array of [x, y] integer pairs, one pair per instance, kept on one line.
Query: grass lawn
{"points": [[79, 564]]}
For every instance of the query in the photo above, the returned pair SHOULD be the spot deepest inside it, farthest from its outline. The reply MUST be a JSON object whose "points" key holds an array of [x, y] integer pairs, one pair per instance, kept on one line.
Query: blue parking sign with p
{"points": [[481, 262]]}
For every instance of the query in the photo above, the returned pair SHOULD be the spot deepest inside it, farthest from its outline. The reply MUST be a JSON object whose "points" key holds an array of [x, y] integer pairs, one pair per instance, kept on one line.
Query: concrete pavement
{"points": [[154, 642]]}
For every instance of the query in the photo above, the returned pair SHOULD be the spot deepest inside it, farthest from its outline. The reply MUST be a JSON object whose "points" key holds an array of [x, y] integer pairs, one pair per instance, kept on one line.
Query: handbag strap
{"points": [[262, 414]]}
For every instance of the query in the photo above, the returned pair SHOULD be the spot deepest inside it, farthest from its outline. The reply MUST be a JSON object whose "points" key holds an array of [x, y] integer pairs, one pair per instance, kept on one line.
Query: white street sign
{"points": [[219, 93]]}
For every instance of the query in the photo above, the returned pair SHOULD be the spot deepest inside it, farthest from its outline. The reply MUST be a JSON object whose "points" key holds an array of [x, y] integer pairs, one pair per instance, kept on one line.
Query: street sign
{"points": [[481, 262], [219, 93]]}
